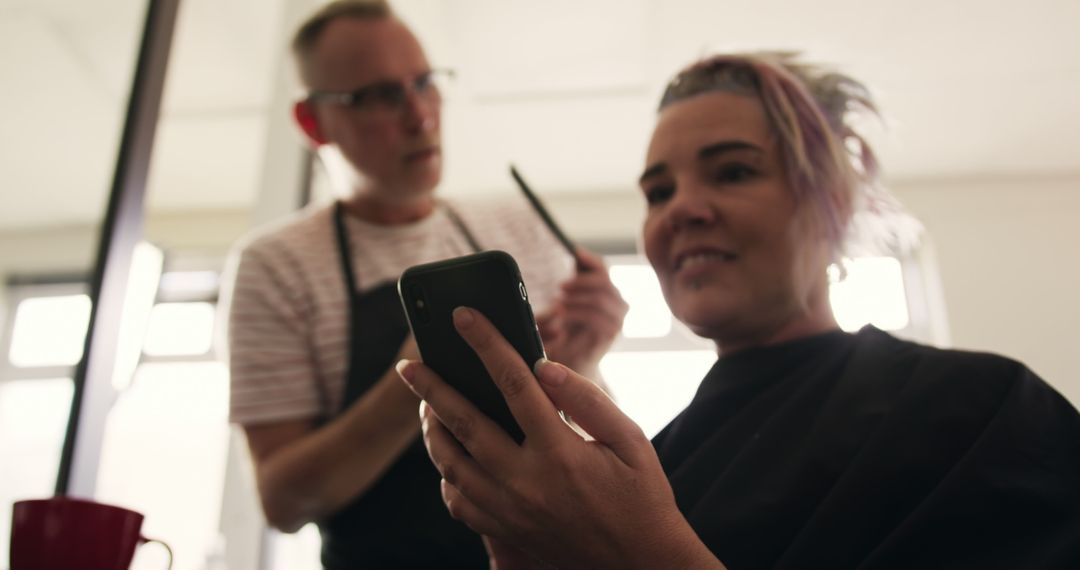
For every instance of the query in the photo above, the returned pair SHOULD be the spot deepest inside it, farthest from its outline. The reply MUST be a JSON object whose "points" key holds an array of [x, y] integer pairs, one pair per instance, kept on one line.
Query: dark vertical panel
{"points": [[120, 232], [307, 177]]}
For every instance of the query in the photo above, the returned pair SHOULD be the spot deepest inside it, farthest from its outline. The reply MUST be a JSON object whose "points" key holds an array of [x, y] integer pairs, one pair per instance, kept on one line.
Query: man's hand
{"points": [[586, 318]]}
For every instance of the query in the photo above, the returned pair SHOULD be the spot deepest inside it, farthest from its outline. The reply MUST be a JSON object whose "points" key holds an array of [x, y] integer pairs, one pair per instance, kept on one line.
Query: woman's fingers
{"points": [[475, 431], [532, 409], [465, 510], [457, 467], [468, 491], [593, 411]]}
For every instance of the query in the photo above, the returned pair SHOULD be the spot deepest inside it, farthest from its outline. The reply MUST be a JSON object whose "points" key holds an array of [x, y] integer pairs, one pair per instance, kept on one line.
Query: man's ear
{"points": [[305, 118]]}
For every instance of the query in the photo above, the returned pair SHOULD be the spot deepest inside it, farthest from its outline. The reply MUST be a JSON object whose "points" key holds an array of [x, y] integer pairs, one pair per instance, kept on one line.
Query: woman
{"points": [[805, 447]]}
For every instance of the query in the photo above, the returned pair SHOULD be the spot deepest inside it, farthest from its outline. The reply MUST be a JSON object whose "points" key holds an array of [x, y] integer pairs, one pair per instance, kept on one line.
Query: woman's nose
{"points": [[690, 207]]}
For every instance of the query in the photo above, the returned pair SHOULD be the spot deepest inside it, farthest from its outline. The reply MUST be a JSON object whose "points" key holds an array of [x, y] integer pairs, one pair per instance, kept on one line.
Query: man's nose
{"points": [[419, 114]]}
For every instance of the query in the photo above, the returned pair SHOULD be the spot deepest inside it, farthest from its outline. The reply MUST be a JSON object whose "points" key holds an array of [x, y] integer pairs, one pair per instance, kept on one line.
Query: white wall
{"points": [[48, 250], [70, 249], [1008, 254]]}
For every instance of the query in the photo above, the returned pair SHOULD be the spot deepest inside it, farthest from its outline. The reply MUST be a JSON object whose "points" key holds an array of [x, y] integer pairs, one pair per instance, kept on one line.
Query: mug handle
{"points": [[168, 551]]}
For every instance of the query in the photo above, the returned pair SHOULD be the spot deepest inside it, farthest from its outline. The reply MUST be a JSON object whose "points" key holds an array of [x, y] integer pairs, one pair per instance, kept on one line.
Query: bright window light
{"points": [[652, 387], [50, 331], [649, 316], [871, 293], [146, 262], [179, 329], [297, 551]]}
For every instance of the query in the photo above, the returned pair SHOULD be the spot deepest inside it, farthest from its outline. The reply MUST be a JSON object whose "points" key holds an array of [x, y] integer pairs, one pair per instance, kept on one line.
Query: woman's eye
{"points": [[658, 194], [733, 173]]}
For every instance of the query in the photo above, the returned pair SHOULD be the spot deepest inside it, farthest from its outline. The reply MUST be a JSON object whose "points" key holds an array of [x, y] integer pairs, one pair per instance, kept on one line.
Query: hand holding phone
{"points": [[491, 283]]}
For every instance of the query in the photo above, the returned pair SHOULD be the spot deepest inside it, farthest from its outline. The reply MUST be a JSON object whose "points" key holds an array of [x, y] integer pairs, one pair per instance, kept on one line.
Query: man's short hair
{"points": [[308, 34]]}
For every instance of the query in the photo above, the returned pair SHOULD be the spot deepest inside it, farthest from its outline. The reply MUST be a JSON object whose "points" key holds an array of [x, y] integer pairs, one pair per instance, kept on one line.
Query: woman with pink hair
{"points": [[805, 446]]}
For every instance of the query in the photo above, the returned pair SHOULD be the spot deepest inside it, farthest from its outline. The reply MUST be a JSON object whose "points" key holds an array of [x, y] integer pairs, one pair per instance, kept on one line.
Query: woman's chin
{"points": [[711, 323]]}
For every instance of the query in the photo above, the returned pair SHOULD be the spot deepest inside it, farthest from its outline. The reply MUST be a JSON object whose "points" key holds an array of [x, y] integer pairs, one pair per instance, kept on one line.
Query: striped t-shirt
{"points": [[288, 313]]}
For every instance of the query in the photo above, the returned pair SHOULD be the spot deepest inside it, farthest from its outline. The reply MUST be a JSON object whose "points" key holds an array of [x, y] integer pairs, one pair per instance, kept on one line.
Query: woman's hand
{"points": [[557, 497]]}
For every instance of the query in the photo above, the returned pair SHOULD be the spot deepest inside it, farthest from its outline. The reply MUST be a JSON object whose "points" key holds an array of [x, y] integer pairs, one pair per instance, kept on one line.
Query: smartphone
{"points": [[491, 283]]}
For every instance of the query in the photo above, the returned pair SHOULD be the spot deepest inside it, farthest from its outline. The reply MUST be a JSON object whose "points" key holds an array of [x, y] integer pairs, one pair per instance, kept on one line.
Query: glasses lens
{"points": [[424, 83], [435, 83], [386, 95]]}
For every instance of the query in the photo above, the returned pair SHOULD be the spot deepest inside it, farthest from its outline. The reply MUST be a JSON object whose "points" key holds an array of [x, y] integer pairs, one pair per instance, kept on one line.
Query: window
{"points": [[49, 331], [179, 329], [872, 293]]}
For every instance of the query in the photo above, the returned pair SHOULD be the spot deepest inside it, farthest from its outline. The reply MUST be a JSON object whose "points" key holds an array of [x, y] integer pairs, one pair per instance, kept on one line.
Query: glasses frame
{"points": [[390, 94]]}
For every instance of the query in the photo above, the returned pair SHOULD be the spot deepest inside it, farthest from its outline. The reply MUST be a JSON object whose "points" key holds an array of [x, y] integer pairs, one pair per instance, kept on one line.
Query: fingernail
{"points": [[463, 317], [405, 370], [549, 372]]}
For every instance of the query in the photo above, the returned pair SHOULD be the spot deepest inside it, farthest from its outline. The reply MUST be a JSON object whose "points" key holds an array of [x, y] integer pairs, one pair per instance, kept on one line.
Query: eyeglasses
{"points": [[387, 97]]}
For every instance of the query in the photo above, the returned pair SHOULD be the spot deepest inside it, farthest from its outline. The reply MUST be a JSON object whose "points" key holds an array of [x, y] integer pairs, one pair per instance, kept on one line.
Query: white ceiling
{"points": [[564, 88]]}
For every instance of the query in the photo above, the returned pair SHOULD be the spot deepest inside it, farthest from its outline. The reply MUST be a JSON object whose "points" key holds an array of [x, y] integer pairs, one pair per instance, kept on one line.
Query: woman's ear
{"points": [[305, 118]]}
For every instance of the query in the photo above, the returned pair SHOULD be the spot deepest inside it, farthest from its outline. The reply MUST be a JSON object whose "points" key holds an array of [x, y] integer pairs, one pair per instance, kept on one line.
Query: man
{"points": [[316, 326]]}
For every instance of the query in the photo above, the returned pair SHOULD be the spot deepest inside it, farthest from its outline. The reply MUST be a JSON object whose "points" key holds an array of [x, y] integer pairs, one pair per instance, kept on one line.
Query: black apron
{"points": [[401, 521]]}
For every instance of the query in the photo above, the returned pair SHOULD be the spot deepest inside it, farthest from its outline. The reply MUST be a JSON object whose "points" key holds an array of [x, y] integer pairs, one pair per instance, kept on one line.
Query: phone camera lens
{"points": [[420, 305]]}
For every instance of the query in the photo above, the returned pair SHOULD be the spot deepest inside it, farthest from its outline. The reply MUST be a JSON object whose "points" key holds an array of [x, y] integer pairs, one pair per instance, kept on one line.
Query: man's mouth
{"points": [[422, 154]]}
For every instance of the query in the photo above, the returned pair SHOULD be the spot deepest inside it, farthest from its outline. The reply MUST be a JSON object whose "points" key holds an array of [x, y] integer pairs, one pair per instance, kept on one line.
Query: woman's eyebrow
{"points": [[652, 171], [706, 152], [724, 147]]}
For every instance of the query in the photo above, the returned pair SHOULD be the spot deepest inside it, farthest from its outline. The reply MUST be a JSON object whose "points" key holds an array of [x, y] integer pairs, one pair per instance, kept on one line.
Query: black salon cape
{"points": [[865, 451]]}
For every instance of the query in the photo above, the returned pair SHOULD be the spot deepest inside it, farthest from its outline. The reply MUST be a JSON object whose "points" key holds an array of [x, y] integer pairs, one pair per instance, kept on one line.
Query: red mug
{"points": [[64, 533]]}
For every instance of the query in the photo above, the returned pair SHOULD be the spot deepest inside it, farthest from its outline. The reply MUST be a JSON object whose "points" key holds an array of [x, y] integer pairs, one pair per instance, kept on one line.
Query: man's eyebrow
{"points": [[723, 147]]}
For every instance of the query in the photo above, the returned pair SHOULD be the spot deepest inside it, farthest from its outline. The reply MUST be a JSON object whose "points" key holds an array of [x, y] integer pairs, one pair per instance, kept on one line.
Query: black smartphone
{"points": [[491, 283]]}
